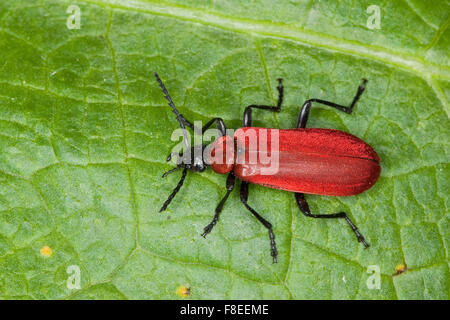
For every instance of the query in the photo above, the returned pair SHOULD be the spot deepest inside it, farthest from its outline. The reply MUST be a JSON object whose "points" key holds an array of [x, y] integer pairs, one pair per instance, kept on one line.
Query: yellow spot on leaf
{"points": [[183, 291], [46, 251], [400, 268]]}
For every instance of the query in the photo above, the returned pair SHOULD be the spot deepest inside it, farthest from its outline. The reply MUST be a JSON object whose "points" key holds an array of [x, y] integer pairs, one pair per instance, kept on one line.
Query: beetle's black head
{"points": [[192, 160]]}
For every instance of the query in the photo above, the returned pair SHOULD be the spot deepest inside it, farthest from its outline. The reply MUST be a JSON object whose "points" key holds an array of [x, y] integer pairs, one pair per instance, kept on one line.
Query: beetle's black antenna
{"points": [[175, 191], [180, 118]]}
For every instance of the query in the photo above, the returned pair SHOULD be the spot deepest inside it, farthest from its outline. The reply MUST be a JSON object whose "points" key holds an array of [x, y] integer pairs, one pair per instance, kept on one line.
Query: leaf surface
{"points": [[85, 132]]}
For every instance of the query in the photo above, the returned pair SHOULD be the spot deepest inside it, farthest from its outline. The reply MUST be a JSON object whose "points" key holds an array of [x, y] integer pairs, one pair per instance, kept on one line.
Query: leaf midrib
{"points": [[426, 70], [404, 61]]}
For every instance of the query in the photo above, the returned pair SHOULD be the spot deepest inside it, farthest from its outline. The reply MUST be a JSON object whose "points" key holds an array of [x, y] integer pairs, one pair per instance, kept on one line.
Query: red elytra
{"points": [[311, 160]]}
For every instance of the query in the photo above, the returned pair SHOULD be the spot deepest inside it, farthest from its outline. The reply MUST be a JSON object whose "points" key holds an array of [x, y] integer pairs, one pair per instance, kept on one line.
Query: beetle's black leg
{"points": [[175, 191], [169, 157], [267, 224], [304, 208], [230, 186], [220, 125], [304, 112], [170, 171], [186, 122], [248, 111]]}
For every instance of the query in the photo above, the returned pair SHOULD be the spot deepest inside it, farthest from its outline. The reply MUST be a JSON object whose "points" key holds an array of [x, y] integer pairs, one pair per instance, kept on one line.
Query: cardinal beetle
{"points": [[310, 160]]}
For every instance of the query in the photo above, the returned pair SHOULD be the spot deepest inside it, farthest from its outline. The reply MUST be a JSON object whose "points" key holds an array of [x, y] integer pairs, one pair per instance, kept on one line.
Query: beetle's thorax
{"points": [[222, 155]]}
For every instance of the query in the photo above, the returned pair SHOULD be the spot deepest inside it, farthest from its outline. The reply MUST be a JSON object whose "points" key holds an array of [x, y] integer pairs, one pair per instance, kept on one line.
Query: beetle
{"points": [[310, 161]]}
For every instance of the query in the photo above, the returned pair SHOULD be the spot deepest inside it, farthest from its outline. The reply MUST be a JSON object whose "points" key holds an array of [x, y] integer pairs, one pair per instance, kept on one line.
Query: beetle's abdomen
{"points": [[316, 161]]}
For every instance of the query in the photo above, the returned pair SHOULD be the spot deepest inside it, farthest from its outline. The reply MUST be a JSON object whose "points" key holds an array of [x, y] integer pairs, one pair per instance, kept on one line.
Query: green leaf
{"points": [[85, 132]]}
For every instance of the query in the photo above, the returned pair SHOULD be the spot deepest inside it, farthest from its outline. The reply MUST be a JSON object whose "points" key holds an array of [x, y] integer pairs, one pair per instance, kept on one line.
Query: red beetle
{"points": [[302, 160]]}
